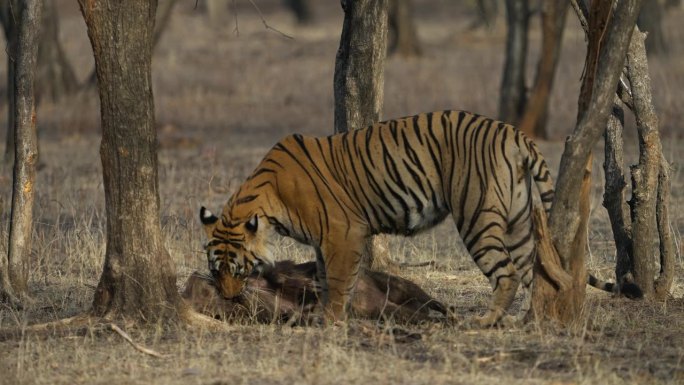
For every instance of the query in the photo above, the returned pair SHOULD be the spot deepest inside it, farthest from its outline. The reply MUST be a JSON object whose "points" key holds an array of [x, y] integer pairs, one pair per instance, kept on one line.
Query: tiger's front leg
{"points": [[342, 262]]}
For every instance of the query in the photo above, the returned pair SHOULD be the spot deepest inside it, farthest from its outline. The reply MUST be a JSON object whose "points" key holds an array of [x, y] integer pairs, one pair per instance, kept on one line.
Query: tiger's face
{"points": [[235, 248]]}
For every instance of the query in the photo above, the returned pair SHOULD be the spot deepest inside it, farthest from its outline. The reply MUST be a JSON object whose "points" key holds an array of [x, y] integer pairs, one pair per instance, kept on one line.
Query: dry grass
{"points": [[221, 101]]}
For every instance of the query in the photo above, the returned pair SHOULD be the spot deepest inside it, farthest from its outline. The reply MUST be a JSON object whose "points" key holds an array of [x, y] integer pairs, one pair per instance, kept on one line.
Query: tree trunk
{"points": [[650, 180], [487, 11], [26, 144], [609, 34], [359, 79], [512, 100], [301, 10], [533, 122], [162, 20], [138, 279], [403, 38], [10, 12], [651, 22], [55, 77]]}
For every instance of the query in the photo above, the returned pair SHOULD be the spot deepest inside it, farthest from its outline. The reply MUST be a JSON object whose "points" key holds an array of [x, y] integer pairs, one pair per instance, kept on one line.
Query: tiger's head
{"points": [[236, 247]]}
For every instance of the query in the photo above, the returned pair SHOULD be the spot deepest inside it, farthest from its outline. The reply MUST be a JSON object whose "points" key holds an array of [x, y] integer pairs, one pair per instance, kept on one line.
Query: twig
{"points": [[261, 16], [137, 347]]}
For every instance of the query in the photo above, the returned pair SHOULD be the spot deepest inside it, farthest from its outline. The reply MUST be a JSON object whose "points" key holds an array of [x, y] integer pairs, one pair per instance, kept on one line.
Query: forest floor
{"points": [[222, 99]]}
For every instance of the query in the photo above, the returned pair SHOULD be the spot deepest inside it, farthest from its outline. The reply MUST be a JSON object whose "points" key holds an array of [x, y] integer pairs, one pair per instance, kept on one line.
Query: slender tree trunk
{"points": [[650, 181], [26, 144], [359, 79], [553, 16], [513, 92], [138, 278], [487, 11], [609, 32], [403, 38], [301, 10], [55, 77]]}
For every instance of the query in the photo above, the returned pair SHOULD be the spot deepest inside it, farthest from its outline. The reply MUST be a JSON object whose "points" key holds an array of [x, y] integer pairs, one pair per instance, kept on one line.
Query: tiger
{"points": [[399, 176]]}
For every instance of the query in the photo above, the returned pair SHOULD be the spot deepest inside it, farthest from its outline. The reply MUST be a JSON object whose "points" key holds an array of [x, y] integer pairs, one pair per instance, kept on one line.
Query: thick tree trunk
{"points": [[403, 38], [609, 33], [138, 278], [553, 16], [359, 79], [513, 92], [55, 77], [26, 145]]}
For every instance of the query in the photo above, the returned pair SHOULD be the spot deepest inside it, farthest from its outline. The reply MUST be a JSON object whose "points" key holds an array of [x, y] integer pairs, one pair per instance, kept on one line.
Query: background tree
{"points": [[553, 15], [403, 38], [55, 77], [651, 21], [512, 99], [14, 270], [609, 32], [359, 78], [138, 278], [10, 13], [301, 10], [487, 12]]}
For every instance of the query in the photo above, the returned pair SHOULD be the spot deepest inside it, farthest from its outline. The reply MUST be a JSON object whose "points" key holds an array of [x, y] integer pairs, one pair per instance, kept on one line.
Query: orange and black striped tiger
{"points": [[400, 176]]}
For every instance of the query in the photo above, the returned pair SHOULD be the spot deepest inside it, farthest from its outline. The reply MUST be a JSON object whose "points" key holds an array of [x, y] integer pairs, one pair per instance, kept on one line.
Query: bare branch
{"points": [[263, 20], [137, 346]]}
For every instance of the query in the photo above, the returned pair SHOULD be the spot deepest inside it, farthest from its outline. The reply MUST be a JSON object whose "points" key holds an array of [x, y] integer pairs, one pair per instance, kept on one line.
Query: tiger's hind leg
{"points": [[485, 242]]}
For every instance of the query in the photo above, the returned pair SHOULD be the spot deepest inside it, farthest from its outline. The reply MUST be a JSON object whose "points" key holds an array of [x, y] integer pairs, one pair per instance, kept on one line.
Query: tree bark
{"points": [[646, 176], [513, 92], [609, 34], [55, 77], [403, 38], [533, 121], [359, 79], [138, 279], [26, 145], [614, 195]]}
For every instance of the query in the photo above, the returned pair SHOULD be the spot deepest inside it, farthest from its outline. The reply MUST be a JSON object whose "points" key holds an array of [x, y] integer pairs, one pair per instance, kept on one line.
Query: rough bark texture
{"points": [[646, 174], [610, 46], [609, 34], [360, 77], [614, 196], [403, 39], [138, 278], [533, 121], [26, 145], [10, 13], [512, 100], [360, 64], [667, 246], [55, 77]]}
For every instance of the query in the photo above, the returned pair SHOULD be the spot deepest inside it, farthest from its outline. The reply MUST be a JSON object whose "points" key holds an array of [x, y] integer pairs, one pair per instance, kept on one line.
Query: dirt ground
{"points": [[224, 93]]}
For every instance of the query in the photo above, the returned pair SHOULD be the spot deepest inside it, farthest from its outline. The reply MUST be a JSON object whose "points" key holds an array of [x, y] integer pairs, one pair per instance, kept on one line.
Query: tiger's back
{"points": [[399, 176]]}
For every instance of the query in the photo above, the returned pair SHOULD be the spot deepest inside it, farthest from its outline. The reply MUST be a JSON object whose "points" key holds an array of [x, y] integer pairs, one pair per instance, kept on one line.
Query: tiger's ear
{"points": [[208, 220]]}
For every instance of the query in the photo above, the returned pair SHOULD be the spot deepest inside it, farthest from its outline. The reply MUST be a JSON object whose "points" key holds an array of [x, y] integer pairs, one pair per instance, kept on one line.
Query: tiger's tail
{"points": [[628, 289]]}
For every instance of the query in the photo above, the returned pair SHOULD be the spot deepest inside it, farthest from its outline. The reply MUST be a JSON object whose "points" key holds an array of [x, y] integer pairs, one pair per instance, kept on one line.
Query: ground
{"points": [[222, 99]]}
